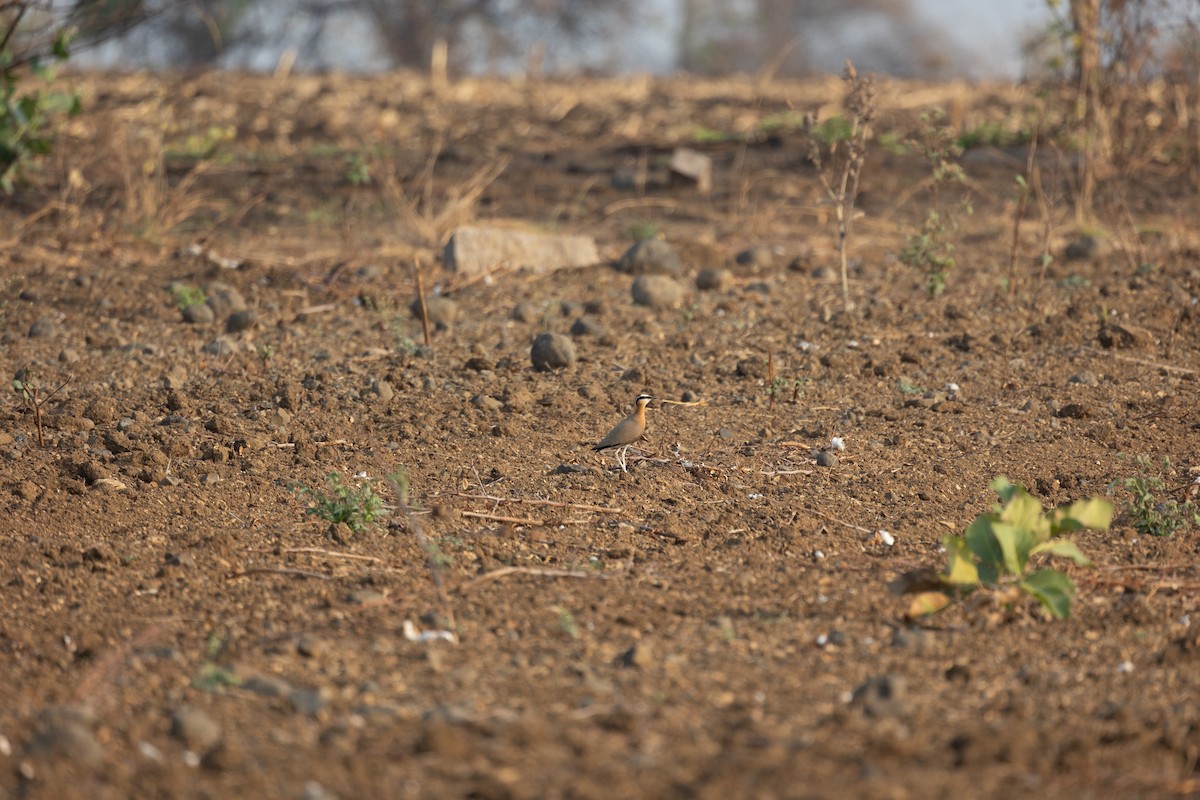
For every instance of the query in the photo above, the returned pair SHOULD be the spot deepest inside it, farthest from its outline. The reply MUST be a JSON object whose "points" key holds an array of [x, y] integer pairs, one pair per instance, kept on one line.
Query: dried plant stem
{"points": [[499, 518], [534, 502], [416, 268], [1018, 216], [488, 577]]}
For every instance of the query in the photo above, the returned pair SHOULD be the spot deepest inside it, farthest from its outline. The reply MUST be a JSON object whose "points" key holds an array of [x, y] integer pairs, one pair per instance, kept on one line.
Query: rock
{"points": [[478, 364], [526, 312], [473, 250], [570, 469], [1085, 378], [752, 367], [709, 280], [552, 351], [882, 696], [587, 326], [486, 402], [42, 328], [442, 311], [689, 397], [65, 732], [694, 166], [640, 655], [383, 390], [224, 299], [757, 257], [569, 308], [1074, 411], [310, 646], [266, 685], [196, 729], [309, 702], [651, 257], [240, 321], [221, 346], [1083, 248], [175, 378], [1113, 334], [826, 459], [198, 314], [658, 291]]}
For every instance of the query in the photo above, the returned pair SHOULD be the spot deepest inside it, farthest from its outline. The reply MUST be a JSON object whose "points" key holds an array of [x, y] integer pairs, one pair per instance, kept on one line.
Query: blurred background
{"points": [[934, 39]]}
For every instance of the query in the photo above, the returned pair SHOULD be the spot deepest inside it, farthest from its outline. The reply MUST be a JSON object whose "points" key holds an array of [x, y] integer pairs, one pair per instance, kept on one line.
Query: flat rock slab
{"points": [[473, 250]]}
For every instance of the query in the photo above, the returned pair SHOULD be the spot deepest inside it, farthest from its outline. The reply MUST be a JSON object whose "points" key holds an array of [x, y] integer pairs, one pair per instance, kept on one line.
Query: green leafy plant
{"points": [[358, 173], [1152, 516], [996, 550], [643, 230], [358, 508], [212, 677], [187, 296], [27, 114], [929, 251], [781, 386]]}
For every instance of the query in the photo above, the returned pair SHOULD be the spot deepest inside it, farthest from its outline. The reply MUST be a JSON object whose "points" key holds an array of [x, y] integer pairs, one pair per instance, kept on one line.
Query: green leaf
{"points": [[1015, 542], [1024, 511], [960, 563], [1053, 589], [1065, 548], [1005, 488], [982, 541], [1095, 514]]}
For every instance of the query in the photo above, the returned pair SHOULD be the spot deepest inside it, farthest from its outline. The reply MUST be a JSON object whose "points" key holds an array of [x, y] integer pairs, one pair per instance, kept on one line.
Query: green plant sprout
{"points": [[358, 173], [212, 677], [187, 296], [1150, 515], [358, 508], [929, 251], [640, 231], [996, 550]]}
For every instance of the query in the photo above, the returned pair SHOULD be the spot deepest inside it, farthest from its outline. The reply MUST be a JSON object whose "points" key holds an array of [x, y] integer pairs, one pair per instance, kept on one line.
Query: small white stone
{"points": [[837, 443], [885, 537]]}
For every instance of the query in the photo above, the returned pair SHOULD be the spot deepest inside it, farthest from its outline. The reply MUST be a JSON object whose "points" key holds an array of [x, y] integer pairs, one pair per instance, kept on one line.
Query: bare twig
{"points": [[499, 518], [311, 551], [837, 521], [1142, 361], [299, 573], [1019, 214], [488, 577], [532, 502]]}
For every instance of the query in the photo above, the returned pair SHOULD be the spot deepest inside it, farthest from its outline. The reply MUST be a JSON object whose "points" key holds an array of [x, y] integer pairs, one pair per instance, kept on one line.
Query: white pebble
{"points": [[885, 537]]}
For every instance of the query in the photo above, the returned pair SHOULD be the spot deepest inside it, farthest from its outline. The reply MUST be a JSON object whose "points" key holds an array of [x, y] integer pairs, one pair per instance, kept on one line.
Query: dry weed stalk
{"points": [[152, 205], [847, 153], [431, 222]]}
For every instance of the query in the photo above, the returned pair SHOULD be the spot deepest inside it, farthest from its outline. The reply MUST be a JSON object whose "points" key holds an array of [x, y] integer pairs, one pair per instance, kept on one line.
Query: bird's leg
{"points": [[621, 457]]}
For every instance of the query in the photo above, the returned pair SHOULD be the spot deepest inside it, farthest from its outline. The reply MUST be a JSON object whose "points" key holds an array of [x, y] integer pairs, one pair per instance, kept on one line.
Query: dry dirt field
{"points": [[716, 622]]}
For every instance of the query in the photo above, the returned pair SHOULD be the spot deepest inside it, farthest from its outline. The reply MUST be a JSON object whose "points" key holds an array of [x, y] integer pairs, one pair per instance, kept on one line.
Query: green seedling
{"points": [[358, 508], [644, 230], [187, 296], [780, 386], [929, 251], [1152, 516], [999, 545], [566, 622], [995, 552], [212, 677], [357, 171]]}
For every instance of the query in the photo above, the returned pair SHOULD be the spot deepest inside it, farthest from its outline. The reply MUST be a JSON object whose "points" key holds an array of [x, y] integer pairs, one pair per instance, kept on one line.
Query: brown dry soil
{"points": [[176, 625]]}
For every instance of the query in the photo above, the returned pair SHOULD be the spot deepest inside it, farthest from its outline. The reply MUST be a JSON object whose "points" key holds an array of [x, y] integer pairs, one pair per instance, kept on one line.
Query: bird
{"points": [[627, 431]]}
